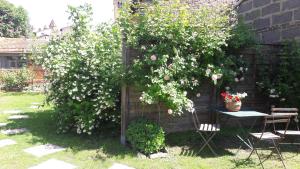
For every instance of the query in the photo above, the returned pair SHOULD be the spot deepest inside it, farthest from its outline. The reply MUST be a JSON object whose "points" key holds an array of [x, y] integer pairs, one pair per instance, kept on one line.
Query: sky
{"points": [[41, 12]]}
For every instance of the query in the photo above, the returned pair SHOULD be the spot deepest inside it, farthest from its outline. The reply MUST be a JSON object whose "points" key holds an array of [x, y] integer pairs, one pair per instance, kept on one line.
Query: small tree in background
{"points": [[14, 21], [84, 73]]}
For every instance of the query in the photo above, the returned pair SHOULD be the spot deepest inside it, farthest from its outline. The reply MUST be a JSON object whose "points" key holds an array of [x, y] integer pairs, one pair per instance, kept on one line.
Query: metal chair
{"points": [[288, 111], [207, 131], [270, 136]]}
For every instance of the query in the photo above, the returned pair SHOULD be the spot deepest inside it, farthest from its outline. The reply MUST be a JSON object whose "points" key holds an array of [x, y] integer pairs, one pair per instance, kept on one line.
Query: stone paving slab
{"points": [[36, 103], [120, 166], [15, 117], [14, 131], [3, 124], [7, 142], [34, 107], [42, 150], [11, 111], [54, 164]]}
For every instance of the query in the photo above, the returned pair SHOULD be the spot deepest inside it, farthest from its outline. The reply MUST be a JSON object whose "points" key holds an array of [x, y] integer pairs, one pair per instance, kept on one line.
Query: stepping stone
{"points": [[35, 103], [7, 142], [15, 117], [34, 107], [54, 164], [42, 150], [120, 166], [11, 111], [14, 131], [3, 124]]}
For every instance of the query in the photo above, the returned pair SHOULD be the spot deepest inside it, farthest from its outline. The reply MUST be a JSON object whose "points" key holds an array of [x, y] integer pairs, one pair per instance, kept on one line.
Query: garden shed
{"points": [[14, 53], [273, 23]]}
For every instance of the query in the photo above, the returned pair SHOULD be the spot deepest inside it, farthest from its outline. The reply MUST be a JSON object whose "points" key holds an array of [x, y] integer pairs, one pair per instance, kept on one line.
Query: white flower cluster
{"points": [[212, 73], [84, 69]]}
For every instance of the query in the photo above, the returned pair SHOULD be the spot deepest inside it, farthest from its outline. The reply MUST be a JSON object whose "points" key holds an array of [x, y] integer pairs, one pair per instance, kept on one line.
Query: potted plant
{"points": [[233, 101]]}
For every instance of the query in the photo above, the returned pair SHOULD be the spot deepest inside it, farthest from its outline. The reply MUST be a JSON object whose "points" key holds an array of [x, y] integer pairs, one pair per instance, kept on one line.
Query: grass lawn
{"points": [[101, 151]]}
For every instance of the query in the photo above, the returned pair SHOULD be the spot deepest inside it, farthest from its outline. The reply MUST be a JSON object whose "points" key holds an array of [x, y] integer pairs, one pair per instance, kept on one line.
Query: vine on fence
{"points": [[180, 48], [282, 83]]}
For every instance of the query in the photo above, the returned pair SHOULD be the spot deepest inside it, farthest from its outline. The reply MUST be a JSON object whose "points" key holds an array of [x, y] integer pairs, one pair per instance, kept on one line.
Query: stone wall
{"points": [[273, 20]]}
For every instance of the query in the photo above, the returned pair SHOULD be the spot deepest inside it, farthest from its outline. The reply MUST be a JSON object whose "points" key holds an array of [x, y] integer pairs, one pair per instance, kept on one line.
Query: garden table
{"points": [[241, 115]]}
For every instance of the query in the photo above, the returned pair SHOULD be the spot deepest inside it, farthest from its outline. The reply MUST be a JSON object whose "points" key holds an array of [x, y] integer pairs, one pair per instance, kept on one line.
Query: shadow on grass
{"points": [[42, 126], [191, 141], [243, 162]]}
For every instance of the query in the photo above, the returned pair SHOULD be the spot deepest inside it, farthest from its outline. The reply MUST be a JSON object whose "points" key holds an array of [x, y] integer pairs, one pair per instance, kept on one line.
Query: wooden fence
{"points": [[205, 105]]}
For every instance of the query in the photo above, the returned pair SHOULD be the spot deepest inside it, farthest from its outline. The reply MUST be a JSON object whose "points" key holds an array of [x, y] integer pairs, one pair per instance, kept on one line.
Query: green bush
{"points": [[84, 71], [15, 80], [146, 136]]}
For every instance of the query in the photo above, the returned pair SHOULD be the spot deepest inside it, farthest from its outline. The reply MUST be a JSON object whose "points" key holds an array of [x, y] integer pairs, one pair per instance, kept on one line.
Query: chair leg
{"points": [[260, 162], [206, 143], [251, 150], [279, 153]]}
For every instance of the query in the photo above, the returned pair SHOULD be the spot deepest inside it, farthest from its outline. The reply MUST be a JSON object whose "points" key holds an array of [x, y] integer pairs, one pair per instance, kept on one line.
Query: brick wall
{"points": [[273, 20]]}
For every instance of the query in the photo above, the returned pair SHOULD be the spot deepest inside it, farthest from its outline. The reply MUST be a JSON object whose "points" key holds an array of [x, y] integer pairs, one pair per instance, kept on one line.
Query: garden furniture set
{"points": [[279, 124]]}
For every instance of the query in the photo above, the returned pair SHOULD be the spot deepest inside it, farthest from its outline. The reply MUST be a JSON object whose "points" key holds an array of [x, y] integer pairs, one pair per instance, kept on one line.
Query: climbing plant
{"points": [[280, 82], [180, 46]]}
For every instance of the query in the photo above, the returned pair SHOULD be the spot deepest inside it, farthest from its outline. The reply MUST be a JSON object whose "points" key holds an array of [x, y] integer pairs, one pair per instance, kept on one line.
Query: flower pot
{"points": [[233, 106]]}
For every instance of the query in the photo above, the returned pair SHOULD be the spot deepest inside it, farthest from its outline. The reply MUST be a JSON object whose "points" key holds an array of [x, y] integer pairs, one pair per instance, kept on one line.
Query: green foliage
{"points": [[15, 80], [84, 73], [281, 82], [180, 48], [14, 20], [146, 136], [241, 37]]}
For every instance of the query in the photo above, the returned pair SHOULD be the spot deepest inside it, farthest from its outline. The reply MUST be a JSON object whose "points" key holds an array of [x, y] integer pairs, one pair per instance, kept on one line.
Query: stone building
{"points": [[51, 31]]}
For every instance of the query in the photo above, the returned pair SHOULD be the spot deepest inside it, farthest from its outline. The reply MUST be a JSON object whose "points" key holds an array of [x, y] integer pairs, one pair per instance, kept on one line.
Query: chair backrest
{"points": [[197, 121], [287, 111], [275, 119]]}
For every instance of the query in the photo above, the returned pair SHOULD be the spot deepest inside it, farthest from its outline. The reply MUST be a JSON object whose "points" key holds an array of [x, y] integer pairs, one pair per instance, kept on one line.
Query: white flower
{"points": [[153, 58], [273, 96], [272, 91], [241, 56], [242, 79], [282, 99], [170, 111], [227, 88], [241, 68], [214, 78], [167, 77], [198, 95], [207, 72], [236, 80]]}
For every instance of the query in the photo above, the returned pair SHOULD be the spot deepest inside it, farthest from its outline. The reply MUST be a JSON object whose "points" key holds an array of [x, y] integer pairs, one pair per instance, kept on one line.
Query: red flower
{"points": [[237, 99], [224, 94]]}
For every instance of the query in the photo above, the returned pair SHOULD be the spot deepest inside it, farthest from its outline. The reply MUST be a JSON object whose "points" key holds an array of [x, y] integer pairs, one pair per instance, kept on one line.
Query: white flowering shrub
{"points": [[84, 71]]}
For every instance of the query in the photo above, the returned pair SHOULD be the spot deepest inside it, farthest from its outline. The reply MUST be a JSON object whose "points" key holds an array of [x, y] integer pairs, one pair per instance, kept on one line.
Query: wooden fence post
{"points": [[124, 97]]}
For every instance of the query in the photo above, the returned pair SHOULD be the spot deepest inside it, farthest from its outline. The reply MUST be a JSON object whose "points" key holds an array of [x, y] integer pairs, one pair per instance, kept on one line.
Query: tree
{"points": [[14, 21]]}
